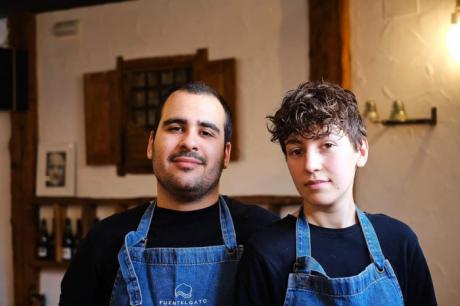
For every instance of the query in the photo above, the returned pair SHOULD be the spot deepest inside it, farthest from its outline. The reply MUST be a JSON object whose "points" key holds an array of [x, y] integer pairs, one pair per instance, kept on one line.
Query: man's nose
{"points": [[189, 140]]}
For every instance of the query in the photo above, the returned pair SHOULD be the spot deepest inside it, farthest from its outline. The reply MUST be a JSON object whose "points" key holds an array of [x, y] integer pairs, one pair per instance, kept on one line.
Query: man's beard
{"points": [[191, 191]]}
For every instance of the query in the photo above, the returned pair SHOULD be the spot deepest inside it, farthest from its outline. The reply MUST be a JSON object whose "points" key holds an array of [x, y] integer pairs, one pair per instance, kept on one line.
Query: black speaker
{"points": [[13, 79]]}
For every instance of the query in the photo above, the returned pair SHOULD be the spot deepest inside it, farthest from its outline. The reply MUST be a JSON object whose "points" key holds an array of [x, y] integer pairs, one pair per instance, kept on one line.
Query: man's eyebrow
{"points": [[210, 125], [174, 120], [183, 121]]}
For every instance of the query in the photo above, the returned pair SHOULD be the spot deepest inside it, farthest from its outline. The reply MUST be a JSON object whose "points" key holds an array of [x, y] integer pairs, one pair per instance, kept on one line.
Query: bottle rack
{"points": [[88, 214], [60, 207]]}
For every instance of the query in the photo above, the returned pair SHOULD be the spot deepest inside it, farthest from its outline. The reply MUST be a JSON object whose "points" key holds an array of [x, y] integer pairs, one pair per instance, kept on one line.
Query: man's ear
{"points": [[150, 145], [227, 152], [363, 151]]}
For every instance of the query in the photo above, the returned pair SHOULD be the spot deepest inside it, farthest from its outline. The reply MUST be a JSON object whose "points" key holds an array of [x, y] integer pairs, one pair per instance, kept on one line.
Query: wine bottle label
{"points": [[66, 253], [42, 252]]}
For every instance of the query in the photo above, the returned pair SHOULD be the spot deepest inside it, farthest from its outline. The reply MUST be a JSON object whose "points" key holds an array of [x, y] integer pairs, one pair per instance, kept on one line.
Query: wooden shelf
{"points": [[431, 121], [49, 265]]}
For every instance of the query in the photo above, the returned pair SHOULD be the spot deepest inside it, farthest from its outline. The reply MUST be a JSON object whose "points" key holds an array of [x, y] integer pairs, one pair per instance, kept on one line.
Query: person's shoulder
{"points": [[117, 225], [276, 237], [249, 213], [392, 229]]}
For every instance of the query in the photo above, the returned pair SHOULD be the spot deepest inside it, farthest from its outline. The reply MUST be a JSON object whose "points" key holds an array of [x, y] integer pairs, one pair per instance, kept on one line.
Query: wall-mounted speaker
{"points": [[13, 79]]}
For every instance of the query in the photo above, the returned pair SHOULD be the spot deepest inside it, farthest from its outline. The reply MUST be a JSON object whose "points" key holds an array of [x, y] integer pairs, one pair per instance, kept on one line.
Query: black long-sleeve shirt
{"points": [[91, 274], [270, 254]]}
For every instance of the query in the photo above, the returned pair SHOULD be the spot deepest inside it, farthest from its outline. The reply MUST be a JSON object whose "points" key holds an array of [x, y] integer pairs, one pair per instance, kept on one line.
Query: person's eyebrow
{"points": [[174, 120], [209, 125], [178, 120], [292, 140]]}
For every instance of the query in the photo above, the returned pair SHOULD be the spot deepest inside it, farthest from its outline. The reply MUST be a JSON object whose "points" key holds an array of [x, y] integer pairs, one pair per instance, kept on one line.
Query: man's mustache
{"points": [[190, 154]]}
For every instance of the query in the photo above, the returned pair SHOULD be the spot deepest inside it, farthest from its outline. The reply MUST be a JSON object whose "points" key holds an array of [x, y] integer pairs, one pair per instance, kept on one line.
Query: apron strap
{"points": [[304, 263], [371, 240], [144, 224], [127, 268], [124, 258], [226, 224], [303, 248]]}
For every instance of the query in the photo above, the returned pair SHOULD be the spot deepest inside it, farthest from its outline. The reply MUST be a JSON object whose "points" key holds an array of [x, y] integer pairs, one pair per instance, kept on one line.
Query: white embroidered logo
{"points": [[184, 291]]}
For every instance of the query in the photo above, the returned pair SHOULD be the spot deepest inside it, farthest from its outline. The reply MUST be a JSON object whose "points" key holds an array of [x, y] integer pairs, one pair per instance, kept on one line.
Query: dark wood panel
{"points": [[23, 152], [329, 41], [102, 118]]}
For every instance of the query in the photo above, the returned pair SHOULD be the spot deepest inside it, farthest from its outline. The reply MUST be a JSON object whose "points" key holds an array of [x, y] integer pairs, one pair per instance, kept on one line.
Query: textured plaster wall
{"points": [[412, 173], [269, 39]]}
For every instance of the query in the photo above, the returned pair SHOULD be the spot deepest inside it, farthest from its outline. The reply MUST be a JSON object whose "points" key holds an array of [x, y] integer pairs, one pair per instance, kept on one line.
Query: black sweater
{"points": [[270, 254], [91, 274]]}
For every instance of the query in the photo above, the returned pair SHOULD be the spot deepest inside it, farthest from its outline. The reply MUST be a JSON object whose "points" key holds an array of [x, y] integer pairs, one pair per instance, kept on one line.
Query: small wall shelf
{"points": [[431, 121]]}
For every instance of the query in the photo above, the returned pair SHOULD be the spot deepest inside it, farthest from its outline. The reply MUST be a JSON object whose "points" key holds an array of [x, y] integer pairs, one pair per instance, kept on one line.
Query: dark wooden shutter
{"points": [[102, 118], [220, 74]]}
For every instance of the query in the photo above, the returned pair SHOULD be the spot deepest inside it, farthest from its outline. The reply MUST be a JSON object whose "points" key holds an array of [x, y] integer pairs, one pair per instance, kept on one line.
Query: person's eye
{"points": [[295, 152], [206, 133], [175, 129], [328, 145]]}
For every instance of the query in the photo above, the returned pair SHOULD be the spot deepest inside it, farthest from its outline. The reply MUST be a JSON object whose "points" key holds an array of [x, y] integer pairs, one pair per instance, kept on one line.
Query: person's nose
{"points": [[313, 161], [189, 141]]}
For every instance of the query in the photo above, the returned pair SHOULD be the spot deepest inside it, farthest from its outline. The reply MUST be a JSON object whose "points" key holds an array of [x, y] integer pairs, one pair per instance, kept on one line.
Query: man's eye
{"points": [[206, 133], [328, 145], [175, 129]]}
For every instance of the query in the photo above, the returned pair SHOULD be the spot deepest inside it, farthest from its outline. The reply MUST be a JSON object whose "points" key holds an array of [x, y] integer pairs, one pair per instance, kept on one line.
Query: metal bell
{"points": [[398, 113], [370, 111]]}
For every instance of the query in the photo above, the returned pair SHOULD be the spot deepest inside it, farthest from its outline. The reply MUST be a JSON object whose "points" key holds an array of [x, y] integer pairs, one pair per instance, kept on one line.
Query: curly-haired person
{"points": [[330, 252]]}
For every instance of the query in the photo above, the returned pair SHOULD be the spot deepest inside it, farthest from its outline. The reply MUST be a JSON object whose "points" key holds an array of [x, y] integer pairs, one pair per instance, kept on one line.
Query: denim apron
{"points": [[309, 285], [176, 276]]}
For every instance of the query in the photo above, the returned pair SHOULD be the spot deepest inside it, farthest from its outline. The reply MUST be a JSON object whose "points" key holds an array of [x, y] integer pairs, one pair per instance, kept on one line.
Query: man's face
{"points": [[188, 151], [56, 169], [323, 169]]}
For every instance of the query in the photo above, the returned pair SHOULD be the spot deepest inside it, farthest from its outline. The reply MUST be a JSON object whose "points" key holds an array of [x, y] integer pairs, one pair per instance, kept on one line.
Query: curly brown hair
{"points": [[314, 110]]}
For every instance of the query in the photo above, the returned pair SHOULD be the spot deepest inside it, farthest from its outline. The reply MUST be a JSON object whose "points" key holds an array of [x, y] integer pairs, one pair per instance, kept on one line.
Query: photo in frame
{"points": [[56, 170]]}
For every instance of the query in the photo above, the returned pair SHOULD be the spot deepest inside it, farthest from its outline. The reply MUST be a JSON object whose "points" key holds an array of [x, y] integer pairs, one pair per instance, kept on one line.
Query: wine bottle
{"points": [[52, 242], [78, 236], [67, 241], [43, 241]]}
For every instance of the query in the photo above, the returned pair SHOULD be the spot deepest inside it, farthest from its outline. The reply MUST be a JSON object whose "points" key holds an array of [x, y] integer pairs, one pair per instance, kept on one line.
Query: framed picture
{"points": [[56, 170]]}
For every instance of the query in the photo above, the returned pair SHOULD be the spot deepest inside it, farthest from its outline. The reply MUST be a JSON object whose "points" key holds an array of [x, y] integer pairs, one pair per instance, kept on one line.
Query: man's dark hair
{"points": [[199, 88], [314, 110]]}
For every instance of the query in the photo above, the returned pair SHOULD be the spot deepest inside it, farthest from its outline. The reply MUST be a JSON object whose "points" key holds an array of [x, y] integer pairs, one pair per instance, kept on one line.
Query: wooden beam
{"points": [[330, 41], [23, 151]]}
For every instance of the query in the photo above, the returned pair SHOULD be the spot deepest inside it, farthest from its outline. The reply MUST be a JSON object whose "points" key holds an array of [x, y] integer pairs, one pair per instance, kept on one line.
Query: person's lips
{"points": [[316, 184], [187, 160]]}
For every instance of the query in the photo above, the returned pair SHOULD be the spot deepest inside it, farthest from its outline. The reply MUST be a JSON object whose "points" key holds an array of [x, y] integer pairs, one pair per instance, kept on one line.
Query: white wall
{"points": [[413, 173], [269, 39]]}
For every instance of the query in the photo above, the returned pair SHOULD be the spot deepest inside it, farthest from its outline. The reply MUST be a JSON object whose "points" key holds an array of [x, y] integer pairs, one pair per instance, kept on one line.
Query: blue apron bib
{"points": [[309, 285], [176, 276]]}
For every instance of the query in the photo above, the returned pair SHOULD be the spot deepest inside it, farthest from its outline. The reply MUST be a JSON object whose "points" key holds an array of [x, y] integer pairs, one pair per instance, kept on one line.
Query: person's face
{"points": [[56, 169], [188, 151], [323, 169]]}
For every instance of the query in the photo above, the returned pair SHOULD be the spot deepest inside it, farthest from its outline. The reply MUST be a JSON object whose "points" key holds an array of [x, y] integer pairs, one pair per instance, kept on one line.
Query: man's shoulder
{"points": [[248, 218], [117, 224], [277, 236], [244, 212]]}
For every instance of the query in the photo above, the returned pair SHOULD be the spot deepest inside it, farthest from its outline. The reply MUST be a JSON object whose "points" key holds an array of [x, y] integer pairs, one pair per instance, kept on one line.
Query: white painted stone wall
{"points": [[269, 39], [413, 173]]}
